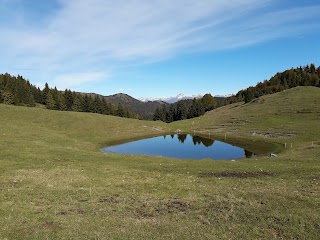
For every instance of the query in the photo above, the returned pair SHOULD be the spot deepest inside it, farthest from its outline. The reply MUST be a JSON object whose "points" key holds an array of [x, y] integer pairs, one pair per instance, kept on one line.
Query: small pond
{"points": [[184, 146]]}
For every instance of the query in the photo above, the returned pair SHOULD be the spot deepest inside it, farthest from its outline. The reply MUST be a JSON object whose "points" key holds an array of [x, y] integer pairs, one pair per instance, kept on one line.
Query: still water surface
{"points": [[182, 146]]}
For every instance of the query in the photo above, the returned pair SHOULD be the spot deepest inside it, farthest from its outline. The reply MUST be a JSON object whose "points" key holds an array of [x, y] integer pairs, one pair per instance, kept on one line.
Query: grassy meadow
{"points": [[56, 184]]}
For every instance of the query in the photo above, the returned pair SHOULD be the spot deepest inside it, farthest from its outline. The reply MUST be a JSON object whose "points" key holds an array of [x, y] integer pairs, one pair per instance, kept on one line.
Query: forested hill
{"points": [[18, 91], [301, 76]]}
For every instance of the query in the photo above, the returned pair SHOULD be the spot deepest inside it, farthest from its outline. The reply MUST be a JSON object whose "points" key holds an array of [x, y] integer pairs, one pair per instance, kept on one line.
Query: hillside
{"points": [[283, 111], [280, 116], [145, 109], [55, 184]]}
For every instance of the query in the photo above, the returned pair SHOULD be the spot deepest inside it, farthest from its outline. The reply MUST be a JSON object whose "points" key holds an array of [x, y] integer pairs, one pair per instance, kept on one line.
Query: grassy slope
{"points": [[54, 183]]}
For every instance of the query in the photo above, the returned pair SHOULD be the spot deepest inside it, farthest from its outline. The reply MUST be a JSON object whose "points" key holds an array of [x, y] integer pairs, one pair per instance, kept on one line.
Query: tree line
{"points": [[18, 91], [184, 109]]}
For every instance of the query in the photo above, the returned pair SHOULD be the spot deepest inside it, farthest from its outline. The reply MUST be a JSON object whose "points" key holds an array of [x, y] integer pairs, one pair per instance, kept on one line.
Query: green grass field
{"points": [[56, 184]]}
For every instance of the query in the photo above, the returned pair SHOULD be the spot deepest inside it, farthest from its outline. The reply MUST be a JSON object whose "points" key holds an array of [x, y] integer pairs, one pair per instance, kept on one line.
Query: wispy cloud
{"points": [[76, 79], [95, 37]]}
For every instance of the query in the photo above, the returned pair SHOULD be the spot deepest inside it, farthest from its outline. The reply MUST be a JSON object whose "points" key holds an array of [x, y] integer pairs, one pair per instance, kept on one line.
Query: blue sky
{"points": [[156, 48]]}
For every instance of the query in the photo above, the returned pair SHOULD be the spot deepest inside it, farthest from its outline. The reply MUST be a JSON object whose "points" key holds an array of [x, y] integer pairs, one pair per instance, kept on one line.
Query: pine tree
{"points": [[50, 102], [98, 104], [60, 102], [45, 92], [68, 100], [104, 107], [170, 115], [159, 114], [85, 104], [77, 103], [92, 106], [37, 94], [182, 111], [196, 109]]}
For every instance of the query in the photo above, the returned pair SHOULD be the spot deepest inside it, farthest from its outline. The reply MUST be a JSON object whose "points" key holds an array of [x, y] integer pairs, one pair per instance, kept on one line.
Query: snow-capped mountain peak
{"points": [[172, 99]]}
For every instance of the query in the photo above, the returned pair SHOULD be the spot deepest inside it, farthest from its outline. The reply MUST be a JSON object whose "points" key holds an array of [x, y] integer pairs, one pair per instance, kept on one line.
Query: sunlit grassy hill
{"points": [[291, 115], [56, 184], [84, 128]]}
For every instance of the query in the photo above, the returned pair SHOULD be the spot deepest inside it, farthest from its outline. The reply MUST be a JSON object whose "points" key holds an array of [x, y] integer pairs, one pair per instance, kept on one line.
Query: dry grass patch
{"points": [[237, 174], [51, 178]]}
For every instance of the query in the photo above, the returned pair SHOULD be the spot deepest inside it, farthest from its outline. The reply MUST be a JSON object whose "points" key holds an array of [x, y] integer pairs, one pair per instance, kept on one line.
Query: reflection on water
{"points": [[183, 146], [195, 139], [182, 137]]}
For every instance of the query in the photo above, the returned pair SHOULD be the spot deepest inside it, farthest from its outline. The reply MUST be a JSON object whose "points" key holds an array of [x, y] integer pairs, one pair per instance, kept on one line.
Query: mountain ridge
{"points": [[144, 109]]}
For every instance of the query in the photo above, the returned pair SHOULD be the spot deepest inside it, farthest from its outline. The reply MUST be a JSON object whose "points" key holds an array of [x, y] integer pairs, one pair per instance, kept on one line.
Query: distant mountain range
{"points": [[146, 107], [172, 99]]}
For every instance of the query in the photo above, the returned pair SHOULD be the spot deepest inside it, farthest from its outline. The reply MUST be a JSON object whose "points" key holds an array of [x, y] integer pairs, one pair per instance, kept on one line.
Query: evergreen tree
{"points": [[50, 102], [60, 102], [86, 104], [99, 108], [208, 102], [37, 94], [45, 92], [77, 103], [170, 115], [196, 109], [120, 111], [182, 110], [92, 106], [158, 114], [104, 107], [57, 101], [248, 96], [68, 100]]}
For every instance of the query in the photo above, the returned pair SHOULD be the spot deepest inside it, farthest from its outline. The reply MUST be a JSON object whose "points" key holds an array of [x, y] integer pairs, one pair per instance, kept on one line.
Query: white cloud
{"points": [[76, 79], [96, 36]]}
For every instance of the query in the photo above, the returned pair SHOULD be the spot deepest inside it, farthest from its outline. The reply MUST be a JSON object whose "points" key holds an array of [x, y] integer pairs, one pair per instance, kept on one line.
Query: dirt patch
{"points": [[237, 174], [50, 226], [162, 207], [175, 205], [50, 178], [71, 212], [109, 199], [272, 134], [115, 200], [276, 226], [160, 129]]}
